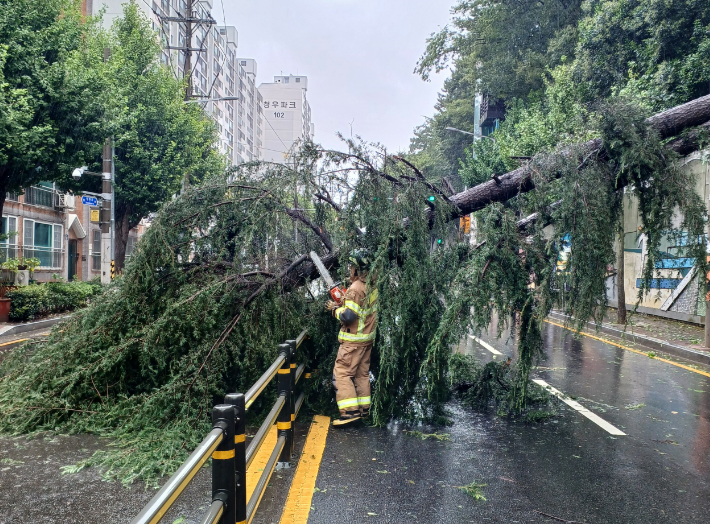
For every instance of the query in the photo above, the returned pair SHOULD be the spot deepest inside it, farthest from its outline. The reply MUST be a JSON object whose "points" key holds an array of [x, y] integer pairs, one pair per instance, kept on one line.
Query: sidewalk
{"points": [[677, 338], [14, 334]]}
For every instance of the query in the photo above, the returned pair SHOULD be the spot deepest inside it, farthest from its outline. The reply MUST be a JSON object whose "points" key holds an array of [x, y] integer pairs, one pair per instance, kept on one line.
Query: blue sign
{"points": [[89, 201]]}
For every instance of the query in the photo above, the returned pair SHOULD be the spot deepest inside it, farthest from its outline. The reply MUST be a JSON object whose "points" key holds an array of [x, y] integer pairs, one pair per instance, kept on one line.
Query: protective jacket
{"points": [[358, 315]]}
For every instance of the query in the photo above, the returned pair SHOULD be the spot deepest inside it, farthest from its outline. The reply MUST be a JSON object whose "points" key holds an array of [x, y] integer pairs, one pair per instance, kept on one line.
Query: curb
{"points": [[649, 342], [31, 326]]}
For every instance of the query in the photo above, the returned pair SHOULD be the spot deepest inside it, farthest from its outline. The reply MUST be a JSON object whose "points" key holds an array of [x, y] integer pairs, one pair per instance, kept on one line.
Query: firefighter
{"points": [[358, 318]]}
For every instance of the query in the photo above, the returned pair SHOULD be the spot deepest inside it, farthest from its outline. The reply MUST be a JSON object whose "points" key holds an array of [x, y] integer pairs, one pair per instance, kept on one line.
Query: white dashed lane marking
{"points": [[584, 411], [486, 345]]}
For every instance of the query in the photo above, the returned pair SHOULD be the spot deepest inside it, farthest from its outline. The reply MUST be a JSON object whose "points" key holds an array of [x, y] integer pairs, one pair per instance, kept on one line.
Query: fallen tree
{"points": [[688, 125], [218, 280]]}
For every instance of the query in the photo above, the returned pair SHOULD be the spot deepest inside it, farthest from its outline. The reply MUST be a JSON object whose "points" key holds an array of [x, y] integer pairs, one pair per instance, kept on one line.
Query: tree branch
{"points": [[319, 231]]}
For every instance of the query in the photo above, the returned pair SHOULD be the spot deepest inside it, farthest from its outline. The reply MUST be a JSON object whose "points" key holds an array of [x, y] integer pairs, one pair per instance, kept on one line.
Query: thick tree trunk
{"points": [[620, 291], [123, 227], [668, 123]]}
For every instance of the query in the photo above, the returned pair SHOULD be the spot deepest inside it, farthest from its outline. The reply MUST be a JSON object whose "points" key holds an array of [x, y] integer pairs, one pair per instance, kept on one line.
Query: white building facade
{"points": [[287, 116], [217, 72]]}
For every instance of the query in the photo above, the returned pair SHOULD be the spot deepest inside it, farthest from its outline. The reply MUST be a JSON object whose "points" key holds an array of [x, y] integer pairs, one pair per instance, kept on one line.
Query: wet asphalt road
{"points": [[567, 467]]}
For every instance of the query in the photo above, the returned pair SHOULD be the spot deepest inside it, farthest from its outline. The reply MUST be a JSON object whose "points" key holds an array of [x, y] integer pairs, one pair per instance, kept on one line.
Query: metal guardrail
{"points": [[226, 444]]}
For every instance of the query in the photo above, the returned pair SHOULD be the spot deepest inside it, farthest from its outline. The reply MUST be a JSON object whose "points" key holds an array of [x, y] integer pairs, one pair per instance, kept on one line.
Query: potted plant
{"points": [[5, 302], [11, 266], [32, 264]]}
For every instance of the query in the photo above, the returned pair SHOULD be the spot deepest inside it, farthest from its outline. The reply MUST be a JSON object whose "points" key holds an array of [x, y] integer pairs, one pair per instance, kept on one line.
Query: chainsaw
{"points": [[337, 293]]}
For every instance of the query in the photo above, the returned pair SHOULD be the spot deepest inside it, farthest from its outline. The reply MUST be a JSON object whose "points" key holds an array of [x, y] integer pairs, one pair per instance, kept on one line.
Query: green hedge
{"points": [[37, 300]]}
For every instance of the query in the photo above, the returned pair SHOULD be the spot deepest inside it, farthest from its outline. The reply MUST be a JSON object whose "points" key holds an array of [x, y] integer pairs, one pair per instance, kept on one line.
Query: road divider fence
{"points": [[226, 445]]}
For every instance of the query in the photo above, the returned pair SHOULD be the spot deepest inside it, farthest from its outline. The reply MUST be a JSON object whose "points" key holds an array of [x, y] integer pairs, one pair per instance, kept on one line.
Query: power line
{"points": [[167, 39]]}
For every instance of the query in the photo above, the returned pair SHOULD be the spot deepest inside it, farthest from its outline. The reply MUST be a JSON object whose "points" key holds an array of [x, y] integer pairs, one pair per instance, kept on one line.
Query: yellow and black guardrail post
{"points": [[240, 449], [283, 422], [223, 487], [113, 269], [292, 403]]}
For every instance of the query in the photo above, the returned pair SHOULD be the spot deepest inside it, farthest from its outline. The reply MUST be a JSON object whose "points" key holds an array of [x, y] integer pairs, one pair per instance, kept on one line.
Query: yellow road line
{"points": [[256, 468], [14, 342], [300, 495], [629, 349]]}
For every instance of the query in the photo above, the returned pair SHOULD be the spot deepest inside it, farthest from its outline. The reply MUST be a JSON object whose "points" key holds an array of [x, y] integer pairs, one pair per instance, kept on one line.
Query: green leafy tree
{"points": [[503, 47], [160, 142], [483, 160], [50, 114], [655, 50]]}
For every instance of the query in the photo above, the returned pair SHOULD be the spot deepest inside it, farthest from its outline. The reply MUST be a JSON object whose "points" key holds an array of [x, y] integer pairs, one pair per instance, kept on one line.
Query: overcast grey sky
{"points": [[359, 56]]}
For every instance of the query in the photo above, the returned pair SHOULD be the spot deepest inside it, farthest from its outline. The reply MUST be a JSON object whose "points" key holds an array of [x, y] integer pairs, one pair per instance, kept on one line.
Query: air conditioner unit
{"points": [[60, 200], [22, 277]]}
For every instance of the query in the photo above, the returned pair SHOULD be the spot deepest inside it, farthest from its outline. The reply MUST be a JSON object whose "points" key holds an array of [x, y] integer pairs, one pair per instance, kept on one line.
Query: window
{"points": [[43, 241], [8, 247], [130, 245], [298, 80], [96, 250]]}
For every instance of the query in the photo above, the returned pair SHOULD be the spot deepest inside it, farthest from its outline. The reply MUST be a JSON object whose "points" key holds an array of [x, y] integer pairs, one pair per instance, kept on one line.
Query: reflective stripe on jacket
{"points": [[362, 329]]}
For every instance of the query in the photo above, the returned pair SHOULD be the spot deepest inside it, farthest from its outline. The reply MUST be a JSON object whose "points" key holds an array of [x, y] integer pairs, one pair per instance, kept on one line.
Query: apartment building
{"points": [[287, 116], [218, 74]]}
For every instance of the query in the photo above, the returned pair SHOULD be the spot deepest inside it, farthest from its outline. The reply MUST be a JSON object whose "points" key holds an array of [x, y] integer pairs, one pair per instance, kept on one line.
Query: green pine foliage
{"points": [[204, 300], [219, 278]]}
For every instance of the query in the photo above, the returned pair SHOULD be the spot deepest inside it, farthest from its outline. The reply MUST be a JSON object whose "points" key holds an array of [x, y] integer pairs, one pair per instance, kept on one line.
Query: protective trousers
{"points": [[352, 379]]}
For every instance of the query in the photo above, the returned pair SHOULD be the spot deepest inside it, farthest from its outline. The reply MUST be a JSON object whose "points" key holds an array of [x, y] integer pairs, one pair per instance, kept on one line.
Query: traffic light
{"points": [[431, 198], [438, 241]]}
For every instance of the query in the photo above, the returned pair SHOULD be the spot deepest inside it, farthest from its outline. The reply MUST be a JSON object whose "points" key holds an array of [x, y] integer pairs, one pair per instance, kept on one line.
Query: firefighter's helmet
{"points": [[360, 258]]}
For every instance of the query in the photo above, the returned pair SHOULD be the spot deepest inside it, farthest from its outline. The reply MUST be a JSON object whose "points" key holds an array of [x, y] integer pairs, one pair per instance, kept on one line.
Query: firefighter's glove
{"points": [[331, 306]]}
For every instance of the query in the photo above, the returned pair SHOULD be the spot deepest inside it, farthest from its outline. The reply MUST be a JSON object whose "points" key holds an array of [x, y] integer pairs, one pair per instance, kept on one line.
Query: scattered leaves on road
{"points": [[438, 436], [474, 490], [635, 406]]}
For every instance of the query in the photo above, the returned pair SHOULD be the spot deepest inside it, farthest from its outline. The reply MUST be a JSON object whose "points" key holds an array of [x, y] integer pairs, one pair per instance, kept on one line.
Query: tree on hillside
{"points": [[50, 114], [159, 140], [656, 51], [503, 48]]}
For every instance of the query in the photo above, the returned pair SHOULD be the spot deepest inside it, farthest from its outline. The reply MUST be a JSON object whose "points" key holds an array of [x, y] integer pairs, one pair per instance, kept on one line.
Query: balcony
{"points": [[47, 197], [49, 258], [39, 196], [7, 251]]}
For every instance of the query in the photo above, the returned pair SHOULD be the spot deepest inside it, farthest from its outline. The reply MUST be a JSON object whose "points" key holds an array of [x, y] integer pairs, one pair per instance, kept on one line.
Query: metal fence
{"points": [[226, 444], [39, 196], [7, 251], [49, 258]]}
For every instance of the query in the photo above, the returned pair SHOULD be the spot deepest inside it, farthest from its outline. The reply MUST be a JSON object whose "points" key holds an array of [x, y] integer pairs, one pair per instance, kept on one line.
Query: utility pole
{"points": [[189, 20], [187, 69], [106, 215], [106, 212]]}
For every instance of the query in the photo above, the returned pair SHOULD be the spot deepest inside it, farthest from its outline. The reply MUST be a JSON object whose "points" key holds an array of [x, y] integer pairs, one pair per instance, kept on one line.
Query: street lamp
{"points": [[106, 218], [475, 136]]}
